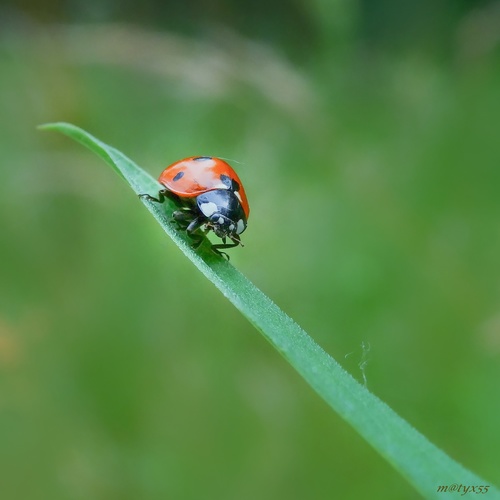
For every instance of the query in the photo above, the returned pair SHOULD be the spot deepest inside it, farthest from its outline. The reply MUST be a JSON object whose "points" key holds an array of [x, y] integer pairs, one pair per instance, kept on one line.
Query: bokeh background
{"points": [[367, 136]]}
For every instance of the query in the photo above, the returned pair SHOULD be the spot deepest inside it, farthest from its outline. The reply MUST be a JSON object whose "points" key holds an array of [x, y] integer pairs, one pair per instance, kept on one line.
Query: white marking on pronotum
{"points": [[221, 220], [208, 208], [240, 227], [238, 195]]}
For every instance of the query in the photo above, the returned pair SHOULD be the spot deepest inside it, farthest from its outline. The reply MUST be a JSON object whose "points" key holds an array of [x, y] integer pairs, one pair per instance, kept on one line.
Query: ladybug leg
{"points": [[191, 229], [172, 196], [160, 199], [162, 194], [217, 248], [183, 217]]}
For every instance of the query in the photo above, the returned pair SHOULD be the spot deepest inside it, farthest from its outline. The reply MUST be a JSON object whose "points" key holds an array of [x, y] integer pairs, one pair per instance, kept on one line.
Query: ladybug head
{"points": [[224, 213], [222, 226]]}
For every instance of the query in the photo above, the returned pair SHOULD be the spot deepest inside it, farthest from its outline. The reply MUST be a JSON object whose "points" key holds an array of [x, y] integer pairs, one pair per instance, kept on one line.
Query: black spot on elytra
{"points": [[202, 158], [230, 183], [178, 176], [225, 180]]}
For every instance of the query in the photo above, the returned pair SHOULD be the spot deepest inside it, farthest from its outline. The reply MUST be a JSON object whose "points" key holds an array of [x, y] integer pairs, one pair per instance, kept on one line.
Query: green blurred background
{"points": [[367, 136]]}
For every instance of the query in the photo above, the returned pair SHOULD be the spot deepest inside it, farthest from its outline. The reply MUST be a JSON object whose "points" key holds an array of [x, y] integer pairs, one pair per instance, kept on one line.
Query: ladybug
{"points": [[210, 197]]}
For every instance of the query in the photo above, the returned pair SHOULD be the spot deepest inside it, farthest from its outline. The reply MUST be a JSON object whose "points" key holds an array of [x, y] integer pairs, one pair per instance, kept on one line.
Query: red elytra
{"points": [[195, 175]]}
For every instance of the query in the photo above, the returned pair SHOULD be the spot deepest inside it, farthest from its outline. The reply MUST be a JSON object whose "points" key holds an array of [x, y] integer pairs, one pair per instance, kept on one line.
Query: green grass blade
{"points": [[424, 465]]}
